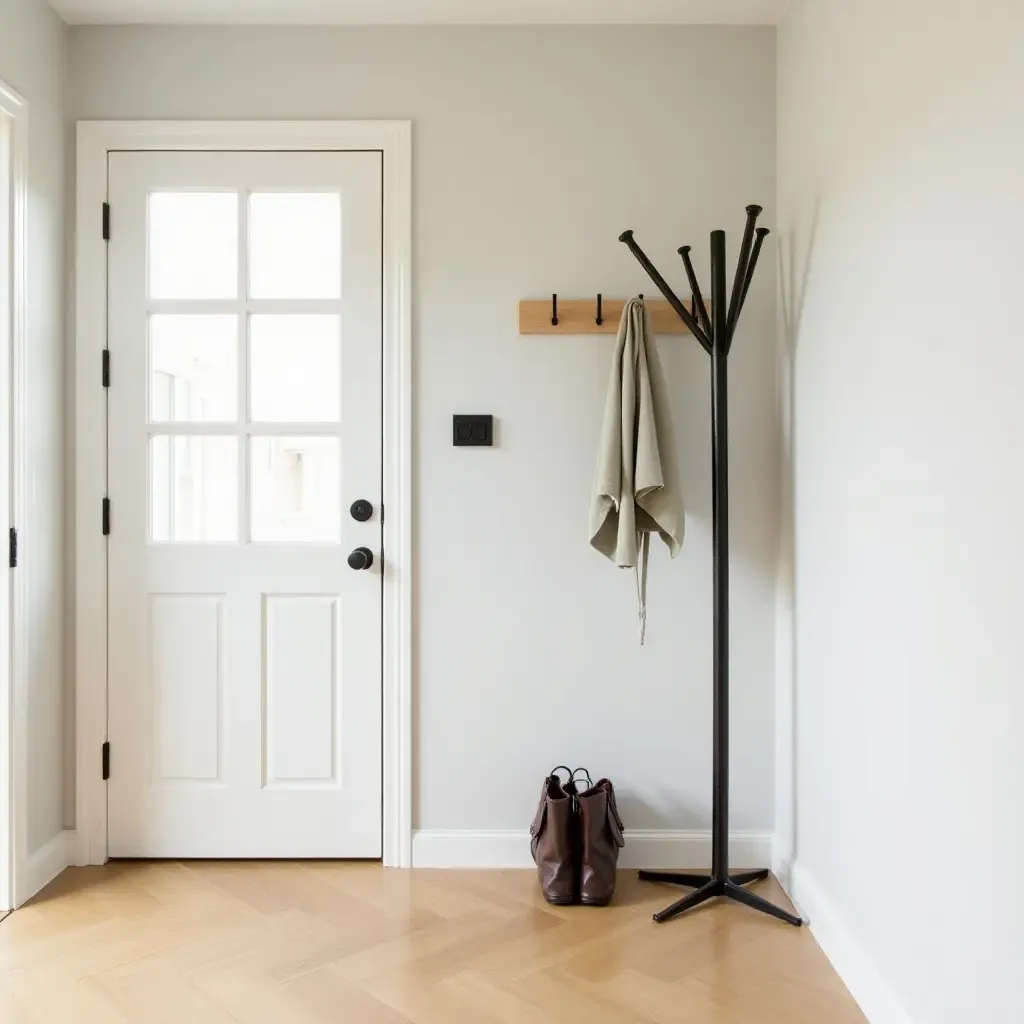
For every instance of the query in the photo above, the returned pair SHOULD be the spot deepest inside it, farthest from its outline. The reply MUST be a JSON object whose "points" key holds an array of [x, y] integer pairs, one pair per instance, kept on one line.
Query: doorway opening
{"points": [[256, 728]]}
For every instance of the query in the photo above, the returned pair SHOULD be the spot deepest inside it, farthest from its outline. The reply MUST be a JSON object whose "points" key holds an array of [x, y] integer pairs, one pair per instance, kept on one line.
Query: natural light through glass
{"points": [[193, 368], [295, 245], [193, 489], [295, 493], [193, 245], [295, 368]]}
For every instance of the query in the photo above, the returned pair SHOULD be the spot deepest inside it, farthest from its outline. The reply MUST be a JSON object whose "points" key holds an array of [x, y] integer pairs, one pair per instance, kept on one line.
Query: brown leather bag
{"points": [[555, 839], [601, 828], [575, 840]]}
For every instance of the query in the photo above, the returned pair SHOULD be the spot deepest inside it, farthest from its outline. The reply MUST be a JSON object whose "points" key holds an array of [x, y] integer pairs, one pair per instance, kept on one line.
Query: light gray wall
{"points": [[534, 149], [32, 40], [901, 162]]}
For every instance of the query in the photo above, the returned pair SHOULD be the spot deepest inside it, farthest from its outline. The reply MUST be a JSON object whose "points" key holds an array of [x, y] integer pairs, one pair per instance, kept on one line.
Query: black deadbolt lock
{"points": [[361, 558], [361, 510]]}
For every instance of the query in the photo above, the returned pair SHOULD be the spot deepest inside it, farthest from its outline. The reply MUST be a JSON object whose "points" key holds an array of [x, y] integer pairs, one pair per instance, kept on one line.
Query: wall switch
{"points": [[473, 431]]}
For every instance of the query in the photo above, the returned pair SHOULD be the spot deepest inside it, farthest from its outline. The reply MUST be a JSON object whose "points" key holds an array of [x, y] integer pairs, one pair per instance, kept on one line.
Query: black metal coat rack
{"points": [[715, 334]]}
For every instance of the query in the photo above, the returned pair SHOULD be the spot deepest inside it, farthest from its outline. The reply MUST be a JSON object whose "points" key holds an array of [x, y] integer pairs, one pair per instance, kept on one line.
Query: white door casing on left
{"points": [[305, 622], [18, 880]]}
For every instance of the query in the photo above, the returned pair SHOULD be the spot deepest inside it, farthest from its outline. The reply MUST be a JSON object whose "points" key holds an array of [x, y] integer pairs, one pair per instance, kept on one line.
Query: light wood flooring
{"points": [[303, 943]]}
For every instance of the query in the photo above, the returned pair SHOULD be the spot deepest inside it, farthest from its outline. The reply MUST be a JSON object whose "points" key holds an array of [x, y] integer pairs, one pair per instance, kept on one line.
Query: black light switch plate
{"points": [[473, 431]]}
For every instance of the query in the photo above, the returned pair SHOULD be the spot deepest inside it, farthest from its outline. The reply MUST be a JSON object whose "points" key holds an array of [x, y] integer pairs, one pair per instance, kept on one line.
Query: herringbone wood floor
{"points": [[303, 943]]}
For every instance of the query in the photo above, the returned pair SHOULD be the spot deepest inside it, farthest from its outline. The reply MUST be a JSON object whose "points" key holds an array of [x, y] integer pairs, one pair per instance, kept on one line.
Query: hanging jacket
{"points": [[636, 489]]}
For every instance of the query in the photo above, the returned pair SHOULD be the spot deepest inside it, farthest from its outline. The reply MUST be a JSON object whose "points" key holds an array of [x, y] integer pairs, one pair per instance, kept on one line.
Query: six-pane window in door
{"points": [[244, 333]]}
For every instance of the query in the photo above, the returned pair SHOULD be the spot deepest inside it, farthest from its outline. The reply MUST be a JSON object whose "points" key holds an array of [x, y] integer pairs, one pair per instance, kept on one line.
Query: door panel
{"points": [[244, 419], [300, 636]]}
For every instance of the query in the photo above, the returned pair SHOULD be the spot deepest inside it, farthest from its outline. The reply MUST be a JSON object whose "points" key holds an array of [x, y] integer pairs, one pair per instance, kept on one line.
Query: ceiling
{"points": [[421, 12]]}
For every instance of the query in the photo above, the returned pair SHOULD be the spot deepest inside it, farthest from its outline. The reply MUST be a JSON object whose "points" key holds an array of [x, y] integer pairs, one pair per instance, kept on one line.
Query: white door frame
{"points": [[96, 139], [14, 853]]}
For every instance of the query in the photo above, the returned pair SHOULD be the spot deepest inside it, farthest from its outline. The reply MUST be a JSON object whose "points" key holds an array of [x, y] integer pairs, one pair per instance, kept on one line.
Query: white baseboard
{"points": [[782, 864], [657, 848], [848, 956], [44, 865]]}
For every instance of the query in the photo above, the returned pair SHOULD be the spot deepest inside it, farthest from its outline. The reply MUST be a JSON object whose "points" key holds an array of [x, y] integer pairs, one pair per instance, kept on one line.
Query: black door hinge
{"points": [[14, 548], [106, 367], [106, 222], [106, 517], [106, 761]]}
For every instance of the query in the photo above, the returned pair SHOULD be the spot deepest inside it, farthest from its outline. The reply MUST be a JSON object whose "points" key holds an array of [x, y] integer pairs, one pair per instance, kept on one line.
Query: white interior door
{"points": [[244, 420]]}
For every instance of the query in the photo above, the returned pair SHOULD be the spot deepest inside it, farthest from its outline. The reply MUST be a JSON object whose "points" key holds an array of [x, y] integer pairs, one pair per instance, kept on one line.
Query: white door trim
{"points": [[96, 139], [14, 853]]}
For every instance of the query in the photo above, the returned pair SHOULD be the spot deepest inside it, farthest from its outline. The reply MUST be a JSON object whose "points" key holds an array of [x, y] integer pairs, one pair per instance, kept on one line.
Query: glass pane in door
{"points": [[193, 482], [295, 245], [295, 489], [295, 368], [193, 245], [193, 368]]}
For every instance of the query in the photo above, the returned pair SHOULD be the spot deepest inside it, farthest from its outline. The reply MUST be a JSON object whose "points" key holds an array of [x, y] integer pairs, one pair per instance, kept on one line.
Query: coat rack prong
{"points": [[753, 212], [698, 299], [670, 296], [762, 234]]}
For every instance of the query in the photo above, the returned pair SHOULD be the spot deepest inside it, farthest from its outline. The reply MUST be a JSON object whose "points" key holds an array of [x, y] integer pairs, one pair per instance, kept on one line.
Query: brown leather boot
{"points": [[602, 839], [555, 843]]}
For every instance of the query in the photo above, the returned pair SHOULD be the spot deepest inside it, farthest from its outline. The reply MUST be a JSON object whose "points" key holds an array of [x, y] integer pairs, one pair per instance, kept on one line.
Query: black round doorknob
{"points": [[361, 510], [361, 558]]}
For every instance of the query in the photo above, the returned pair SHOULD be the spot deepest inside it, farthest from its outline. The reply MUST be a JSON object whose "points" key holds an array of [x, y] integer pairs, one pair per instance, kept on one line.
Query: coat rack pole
{"points": [[719, 882], [720, 557]]}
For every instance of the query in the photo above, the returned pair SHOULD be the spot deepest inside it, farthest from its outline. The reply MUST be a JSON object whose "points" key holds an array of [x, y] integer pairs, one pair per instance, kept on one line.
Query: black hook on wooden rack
{"points": [[600, 318], [554, 310]]}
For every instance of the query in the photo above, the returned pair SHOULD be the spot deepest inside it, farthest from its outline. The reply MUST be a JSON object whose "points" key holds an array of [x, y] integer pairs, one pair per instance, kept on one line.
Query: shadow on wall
{"points": [[793, 280]]}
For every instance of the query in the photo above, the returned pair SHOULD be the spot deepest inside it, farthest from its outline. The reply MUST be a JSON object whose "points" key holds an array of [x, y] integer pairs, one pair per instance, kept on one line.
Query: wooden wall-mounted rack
{"points": [[580, 316]]}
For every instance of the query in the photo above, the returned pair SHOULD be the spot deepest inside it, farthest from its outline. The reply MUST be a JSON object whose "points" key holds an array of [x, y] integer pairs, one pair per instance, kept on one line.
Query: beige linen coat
{"points": [[636, 489]]}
